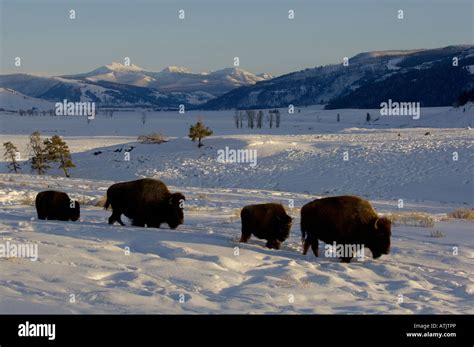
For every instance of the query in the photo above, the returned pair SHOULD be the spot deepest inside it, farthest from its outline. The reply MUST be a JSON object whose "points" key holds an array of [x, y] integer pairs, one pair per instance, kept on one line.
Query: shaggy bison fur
{"points": [[146, 202], [346, 220], [53, 205], [266, 221]]}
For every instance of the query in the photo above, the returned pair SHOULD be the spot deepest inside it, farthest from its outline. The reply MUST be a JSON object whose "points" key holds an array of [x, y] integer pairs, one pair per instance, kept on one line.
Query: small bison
{"points": [[266, 221], [146, 202], [53, 205], [344, 220]]}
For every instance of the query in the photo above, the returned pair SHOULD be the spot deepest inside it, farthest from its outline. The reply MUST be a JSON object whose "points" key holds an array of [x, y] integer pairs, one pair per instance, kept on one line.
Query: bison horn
{"points": [[171, 201], [375, 225]]}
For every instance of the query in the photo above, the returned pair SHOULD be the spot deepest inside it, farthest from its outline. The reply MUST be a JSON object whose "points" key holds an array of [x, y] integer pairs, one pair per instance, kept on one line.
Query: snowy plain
{"points": [[197, 267]]}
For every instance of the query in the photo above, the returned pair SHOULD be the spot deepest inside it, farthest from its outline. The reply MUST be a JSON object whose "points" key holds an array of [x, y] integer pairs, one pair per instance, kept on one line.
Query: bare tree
{"points": [[270, 119], [250, 118], [236, 119], [259, 119]]}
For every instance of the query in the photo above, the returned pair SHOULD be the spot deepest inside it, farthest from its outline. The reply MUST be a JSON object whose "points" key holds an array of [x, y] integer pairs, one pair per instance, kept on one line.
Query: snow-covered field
{"points": [[196, 268]]}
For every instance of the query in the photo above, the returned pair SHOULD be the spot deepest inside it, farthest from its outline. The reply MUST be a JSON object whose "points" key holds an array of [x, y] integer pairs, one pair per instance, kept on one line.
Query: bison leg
{"points": [[115, 217], [346, 259], [310, 241], [315, 247], [245, 236], [273, 244], [306, 245]]}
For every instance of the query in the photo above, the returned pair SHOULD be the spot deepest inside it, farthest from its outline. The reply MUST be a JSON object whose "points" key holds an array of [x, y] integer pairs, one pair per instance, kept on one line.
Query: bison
{"points": [[54, 205], [344, 220], [266, 221], [146, 202]]}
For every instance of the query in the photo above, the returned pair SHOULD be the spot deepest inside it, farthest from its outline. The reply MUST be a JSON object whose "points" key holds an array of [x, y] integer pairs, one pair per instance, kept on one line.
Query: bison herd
{"points": [[344, 220]]}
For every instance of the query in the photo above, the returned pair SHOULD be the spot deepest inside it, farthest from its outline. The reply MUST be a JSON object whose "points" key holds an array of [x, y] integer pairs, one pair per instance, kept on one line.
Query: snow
{"points": [[197, 262], [175, 69], [11, 100], [392, 63]]}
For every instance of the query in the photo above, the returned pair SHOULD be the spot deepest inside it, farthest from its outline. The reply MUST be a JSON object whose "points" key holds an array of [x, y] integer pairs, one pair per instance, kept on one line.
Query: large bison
{"points": [[53, 205], [146, 202], [266, 221], [344, 220]]}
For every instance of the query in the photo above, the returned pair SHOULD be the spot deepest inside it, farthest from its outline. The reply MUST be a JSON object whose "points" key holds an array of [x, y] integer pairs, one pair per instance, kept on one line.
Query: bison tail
{"points": [[107, 203], [303, 235]]}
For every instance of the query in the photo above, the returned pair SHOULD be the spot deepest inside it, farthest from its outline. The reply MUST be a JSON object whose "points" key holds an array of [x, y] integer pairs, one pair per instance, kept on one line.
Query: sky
{"points": [[213, 32]]}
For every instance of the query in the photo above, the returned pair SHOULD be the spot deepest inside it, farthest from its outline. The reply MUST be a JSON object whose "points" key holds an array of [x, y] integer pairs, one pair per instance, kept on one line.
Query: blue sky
{"points": [[258, 32]]}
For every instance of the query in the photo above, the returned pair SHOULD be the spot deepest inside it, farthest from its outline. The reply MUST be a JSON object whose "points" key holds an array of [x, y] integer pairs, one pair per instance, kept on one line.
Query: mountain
{"points": [[115, 72], [173, 78], [104, 93], [11, 100], [425, 75]]}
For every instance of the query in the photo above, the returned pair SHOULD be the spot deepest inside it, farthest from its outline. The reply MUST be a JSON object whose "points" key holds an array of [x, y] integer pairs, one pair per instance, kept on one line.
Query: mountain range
{"points": [[117, 85], [429, 76], [173, 78]]}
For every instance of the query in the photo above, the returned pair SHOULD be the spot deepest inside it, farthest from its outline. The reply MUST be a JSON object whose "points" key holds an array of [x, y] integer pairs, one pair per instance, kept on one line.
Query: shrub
{"points": [[462, 214], [152, 138], [437, 234], [414, 219]]}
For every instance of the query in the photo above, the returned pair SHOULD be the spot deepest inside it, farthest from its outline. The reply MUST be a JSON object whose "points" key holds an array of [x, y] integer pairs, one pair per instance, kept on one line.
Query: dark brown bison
{"points": [[266, 221], [146, 202], [53, 205], [344, 220]]}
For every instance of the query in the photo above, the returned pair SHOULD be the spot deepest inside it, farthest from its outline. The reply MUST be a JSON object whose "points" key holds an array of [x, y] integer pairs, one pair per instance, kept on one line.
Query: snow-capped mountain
{"points": [[117, 73], [426, 75], [173, 78], [105, 93]]}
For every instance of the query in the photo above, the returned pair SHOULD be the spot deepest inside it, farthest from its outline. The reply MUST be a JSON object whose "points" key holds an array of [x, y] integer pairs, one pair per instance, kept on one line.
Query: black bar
{"points": [[311, 330]]}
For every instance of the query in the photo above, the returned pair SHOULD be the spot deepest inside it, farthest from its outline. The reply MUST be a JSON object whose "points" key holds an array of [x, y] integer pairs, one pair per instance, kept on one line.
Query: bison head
{"points": [[380, 237], [283, 227], [175, 214], [74, 211]]}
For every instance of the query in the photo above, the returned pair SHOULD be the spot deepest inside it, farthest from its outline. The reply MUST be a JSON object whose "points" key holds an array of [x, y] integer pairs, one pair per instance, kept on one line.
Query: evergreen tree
{"points": [[39, 158], [10, 155], [199, 131], [367, 119], [58, 151]]}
